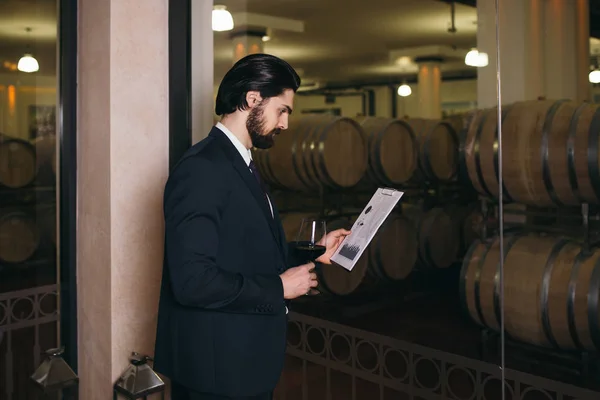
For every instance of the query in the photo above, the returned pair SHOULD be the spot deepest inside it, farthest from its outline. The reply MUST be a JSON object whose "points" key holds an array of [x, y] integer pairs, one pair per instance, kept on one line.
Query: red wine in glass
{"points": [[306, 247], [309, 251]]}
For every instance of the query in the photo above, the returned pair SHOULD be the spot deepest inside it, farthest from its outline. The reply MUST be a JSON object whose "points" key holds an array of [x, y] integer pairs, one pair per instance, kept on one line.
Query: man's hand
{"points": [[298, 281], [331, 241]]}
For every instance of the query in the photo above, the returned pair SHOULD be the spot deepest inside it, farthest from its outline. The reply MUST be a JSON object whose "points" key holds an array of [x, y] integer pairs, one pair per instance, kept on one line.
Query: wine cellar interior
{"points": [[492, 256]]}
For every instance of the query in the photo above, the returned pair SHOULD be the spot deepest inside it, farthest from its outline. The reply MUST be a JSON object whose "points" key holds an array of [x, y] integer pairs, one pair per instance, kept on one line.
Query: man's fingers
{"points": [[341, 232]]}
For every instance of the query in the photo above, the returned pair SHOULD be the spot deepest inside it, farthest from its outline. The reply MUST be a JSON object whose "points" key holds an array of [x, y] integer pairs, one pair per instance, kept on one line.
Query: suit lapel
{"points": [[244, 171]]}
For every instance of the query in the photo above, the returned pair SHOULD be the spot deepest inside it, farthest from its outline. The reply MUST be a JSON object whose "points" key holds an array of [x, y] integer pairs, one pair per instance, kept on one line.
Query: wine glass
{"points": [[306, 247]]}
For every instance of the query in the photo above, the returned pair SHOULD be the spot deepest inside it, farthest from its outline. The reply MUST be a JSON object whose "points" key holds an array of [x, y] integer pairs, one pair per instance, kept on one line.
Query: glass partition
{"points": [[386, 100], [30, 119], [534, 150], [550, 126]]}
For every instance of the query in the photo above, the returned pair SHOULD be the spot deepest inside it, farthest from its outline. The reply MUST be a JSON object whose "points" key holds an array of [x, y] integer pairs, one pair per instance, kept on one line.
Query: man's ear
{"points": [[253, 98]]}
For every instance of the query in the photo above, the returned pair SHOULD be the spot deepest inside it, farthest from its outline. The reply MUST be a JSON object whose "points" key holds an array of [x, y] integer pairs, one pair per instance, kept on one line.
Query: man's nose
{"points": [[283, 122]]}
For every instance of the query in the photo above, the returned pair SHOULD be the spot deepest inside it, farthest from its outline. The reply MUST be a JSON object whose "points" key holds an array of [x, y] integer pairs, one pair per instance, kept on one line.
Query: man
{"points": [[227, 279]]}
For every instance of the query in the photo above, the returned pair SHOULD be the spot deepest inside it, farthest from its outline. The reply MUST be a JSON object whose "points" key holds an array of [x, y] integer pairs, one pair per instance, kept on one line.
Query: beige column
{"points": [[544, 50], [123, 136], [430, 80], [567, 49], [245, 43], [521, 51]]}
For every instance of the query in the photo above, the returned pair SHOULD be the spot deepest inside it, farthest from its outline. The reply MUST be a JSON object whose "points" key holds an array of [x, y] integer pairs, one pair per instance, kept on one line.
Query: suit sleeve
{"points": [[194, 202]]}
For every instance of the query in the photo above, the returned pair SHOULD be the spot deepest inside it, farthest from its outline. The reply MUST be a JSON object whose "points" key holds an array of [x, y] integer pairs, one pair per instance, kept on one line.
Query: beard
{"points": [[261, 138]]}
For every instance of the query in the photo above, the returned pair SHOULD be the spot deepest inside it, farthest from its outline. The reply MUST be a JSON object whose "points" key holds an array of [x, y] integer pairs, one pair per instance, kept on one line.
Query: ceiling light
{"points": [[595, 76], [476, 59], [221, 19], [404, 90], [403, 61], [268, 35], [28, 64]]}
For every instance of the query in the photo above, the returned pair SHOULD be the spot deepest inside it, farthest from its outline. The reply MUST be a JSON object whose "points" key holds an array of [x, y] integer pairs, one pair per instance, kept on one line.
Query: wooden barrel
{"points": [[551, 290], [438, 149], [19, 236], [316, 151], [291, 223], [391, 255], [460, 121], [17, 162], [336, 280], [392, 150], [469, 220], [437, 235], [394, 250], [46, 221], [550, 153], [45, 149]]}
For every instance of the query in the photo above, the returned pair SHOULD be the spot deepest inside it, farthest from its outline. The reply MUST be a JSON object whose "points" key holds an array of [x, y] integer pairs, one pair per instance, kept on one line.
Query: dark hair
{"points": [[264, 73]]}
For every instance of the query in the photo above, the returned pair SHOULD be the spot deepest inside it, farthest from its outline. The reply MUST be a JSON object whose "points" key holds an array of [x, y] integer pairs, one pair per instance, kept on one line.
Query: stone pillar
{"points": [[430, 80], [544, 50], [123, 162], [245, 43]]}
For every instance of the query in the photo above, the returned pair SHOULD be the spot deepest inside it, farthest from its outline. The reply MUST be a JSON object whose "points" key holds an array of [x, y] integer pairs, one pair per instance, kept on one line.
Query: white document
{"points": [[366, 226]]}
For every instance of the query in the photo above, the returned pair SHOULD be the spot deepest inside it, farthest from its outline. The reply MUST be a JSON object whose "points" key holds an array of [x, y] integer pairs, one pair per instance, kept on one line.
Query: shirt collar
{"points": [[244, 152]]}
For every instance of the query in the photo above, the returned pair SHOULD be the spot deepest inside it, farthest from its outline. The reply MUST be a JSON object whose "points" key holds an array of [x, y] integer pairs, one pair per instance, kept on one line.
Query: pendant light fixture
{"points": [[221, 19], [475, 58], [28, 63], [404, 90]]}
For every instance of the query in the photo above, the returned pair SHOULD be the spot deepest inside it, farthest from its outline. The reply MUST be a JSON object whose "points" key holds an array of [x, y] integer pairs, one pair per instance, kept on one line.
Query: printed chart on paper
{"points": [[364, 229]]}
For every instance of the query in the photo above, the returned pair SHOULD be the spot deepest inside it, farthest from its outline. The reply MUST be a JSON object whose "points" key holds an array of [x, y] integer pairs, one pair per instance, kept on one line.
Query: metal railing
{"points": [[29, 308], [330, 361]]}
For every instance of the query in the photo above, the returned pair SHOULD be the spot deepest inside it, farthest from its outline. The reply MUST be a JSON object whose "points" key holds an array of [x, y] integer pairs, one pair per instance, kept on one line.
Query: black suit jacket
{"points": [[222, 320]]}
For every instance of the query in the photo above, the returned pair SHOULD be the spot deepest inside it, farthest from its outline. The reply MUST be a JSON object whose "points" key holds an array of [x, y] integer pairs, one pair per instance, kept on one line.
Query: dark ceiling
{"points": [[594, 13]]}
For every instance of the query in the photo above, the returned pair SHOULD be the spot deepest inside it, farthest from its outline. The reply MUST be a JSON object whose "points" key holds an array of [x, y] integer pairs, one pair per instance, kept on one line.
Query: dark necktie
{"points": [[259, 180]]}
